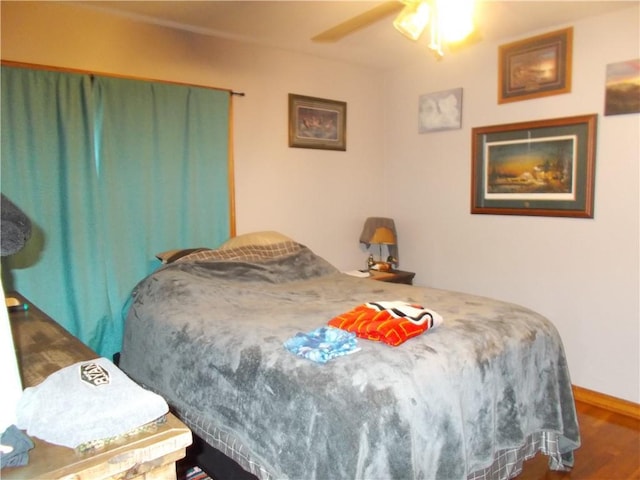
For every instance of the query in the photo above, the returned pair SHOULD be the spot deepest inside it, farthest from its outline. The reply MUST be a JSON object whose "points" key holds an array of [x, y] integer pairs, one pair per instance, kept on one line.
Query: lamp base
{"points": [[382, 267]]}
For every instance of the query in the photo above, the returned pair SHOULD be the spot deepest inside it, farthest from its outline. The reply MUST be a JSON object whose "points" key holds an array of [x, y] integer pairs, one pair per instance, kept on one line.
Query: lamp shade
{"points": [[413, 19], [383, 235]]}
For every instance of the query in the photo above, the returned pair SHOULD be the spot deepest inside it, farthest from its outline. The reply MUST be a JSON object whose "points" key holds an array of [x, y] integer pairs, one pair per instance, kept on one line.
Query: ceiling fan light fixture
{"points": [[449, 21], [413, 19], [455, 19]]}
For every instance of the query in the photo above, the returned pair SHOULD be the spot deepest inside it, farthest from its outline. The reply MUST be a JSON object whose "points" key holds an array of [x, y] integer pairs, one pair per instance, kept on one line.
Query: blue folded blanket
{"points": [[323, 344]]}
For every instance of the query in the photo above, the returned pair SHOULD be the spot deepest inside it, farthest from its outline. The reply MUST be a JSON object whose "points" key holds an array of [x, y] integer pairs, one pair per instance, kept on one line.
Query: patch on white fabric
{"points": [[93, 374]]}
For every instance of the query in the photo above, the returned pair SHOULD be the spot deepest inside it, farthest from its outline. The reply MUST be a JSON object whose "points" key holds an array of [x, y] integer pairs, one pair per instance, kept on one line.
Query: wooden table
{"points": [[43, 347], [393, 276]]}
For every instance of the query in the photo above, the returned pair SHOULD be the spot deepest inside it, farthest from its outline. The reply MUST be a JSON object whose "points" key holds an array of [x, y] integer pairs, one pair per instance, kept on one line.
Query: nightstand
{"points": [[43, 347], [393, 276]]}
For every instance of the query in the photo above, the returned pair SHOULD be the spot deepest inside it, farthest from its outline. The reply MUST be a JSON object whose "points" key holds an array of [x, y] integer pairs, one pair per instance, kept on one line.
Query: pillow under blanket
{"points": [[245, 253]]}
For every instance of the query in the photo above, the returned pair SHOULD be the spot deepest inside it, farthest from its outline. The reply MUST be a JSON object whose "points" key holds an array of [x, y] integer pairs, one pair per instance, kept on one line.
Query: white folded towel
{"points": [[85, 402]]}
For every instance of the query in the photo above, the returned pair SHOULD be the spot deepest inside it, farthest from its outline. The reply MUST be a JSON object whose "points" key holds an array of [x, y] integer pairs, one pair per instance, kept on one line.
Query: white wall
{"points": [[580, 273]]}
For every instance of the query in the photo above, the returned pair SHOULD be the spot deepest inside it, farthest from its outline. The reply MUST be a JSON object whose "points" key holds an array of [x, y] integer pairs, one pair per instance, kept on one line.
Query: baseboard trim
{"points": [[607, 402]]}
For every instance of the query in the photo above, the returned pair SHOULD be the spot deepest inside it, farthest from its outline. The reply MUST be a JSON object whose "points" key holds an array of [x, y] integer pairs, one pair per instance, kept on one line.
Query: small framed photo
{"points": [[544, 167], [440, 111], [317, 123], [535, 67], [623, 88]]}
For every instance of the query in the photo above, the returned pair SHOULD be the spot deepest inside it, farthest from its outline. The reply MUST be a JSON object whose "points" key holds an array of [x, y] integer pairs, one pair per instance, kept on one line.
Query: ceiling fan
{"points": [[358, 22], [449, 21]]}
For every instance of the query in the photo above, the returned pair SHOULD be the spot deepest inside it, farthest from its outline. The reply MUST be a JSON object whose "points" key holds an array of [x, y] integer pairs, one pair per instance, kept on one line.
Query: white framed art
{"points": [[440, 111]]}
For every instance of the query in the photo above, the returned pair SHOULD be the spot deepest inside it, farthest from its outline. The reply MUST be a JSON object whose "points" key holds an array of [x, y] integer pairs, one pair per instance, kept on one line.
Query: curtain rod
{"points": [[37, 66]]}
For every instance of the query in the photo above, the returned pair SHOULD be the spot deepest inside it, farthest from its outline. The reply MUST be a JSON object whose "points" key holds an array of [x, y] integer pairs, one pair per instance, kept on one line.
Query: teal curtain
{"points": [[47, 171], [110, 171]]}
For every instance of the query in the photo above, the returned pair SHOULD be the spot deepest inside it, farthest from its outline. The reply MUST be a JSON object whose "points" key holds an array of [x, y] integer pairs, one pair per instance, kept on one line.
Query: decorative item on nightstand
{"points": [[381, 231]]}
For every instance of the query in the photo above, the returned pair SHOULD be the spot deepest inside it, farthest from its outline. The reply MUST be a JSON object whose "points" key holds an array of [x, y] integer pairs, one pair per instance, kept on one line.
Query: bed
{"points": [[471, 398]]}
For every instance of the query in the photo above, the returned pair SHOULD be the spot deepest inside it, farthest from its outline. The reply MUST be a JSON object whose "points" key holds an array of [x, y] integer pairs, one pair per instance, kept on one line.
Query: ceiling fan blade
{"points": [[359, 21]]}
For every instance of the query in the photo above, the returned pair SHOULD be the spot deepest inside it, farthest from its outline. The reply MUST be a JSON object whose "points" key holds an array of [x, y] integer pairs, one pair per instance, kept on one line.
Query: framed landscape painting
{"points": [[544, 167], [317, 123], [622, 93], [535, 67]]}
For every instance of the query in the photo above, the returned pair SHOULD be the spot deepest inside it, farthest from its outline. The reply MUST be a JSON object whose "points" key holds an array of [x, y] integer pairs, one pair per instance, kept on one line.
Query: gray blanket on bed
{"points": [[209, 337]]}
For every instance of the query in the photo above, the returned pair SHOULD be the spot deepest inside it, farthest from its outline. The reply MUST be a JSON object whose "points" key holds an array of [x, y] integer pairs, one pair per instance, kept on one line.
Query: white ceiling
{"points": [[291, 24]]}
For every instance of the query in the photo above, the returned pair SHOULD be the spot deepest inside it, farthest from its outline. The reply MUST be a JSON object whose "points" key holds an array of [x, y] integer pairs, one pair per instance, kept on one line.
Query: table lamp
{"points": [[381, 231]]}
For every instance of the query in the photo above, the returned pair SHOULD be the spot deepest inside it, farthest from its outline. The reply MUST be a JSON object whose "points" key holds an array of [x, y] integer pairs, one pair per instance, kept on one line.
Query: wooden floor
{"points": [[610, 449]]}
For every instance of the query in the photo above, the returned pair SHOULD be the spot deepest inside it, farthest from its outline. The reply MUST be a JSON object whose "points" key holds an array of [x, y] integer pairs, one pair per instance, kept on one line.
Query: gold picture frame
{"points": [[543, 168], [317, 123], [535, 67]]}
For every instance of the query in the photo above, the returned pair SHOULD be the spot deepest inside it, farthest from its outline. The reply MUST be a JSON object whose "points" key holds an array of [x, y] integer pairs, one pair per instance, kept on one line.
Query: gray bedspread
{"points": [[491, 382]]}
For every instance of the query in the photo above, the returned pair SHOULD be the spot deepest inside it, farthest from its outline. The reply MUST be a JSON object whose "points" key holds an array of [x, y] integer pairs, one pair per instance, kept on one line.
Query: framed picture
{"points": [[317, 123], [545, 167], [440, 111], [535, 67], [623, 88]]}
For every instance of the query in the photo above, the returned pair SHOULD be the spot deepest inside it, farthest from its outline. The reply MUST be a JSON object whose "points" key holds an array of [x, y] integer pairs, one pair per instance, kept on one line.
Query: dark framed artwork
{"points": [[535, 67], [317, 123], [544, 167]]}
